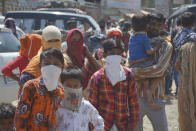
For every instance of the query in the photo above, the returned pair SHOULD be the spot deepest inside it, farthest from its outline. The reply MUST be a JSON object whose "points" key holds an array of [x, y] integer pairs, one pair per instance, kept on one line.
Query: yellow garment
{"points": [[33, 66], [187, 87], [47, 45]]}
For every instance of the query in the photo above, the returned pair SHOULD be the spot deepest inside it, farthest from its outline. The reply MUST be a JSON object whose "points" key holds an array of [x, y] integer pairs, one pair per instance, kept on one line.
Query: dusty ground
{"points": [[172, 116]]}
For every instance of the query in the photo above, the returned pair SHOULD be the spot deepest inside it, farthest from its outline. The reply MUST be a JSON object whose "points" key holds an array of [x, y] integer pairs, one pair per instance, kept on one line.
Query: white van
{"points": [[9, 47]]}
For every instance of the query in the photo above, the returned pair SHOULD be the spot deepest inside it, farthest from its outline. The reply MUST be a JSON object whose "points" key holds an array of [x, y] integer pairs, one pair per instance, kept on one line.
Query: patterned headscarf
{"points": [[182, 37], [114, 32]]}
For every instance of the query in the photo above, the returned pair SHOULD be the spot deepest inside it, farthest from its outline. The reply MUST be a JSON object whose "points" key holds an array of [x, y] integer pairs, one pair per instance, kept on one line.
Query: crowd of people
{"points": [[109, 84]]}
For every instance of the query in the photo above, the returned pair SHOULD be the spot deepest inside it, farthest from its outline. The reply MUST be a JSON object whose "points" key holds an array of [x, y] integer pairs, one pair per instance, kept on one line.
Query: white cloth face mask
{"points": [[113, 68], [113, 60], [50, 74]]}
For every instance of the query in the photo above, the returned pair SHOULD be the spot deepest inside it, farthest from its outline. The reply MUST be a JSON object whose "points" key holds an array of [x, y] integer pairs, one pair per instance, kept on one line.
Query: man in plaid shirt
{"points": [[113, 92]]}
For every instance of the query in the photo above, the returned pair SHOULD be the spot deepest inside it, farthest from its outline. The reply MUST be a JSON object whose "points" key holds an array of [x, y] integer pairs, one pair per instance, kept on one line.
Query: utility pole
{"points": [[170, 6], [3, 7]]}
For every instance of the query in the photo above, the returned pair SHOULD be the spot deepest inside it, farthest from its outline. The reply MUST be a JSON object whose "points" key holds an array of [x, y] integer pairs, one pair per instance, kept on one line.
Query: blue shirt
{"points": [[138, 45]]}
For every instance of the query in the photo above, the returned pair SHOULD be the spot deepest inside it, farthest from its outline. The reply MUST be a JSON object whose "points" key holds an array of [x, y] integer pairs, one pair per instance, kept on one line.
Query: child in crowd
{"points": [[7, 112], [41, 97], [140, 54], [75, 112]]}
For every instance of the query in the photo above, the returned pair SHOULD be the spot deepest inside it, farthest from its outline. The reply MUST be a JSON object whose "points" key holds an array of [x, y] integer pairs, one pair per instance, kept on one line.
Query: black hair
{"points": [[154, 16], [188, 19], [139, 22], [160, 17], [71, 72], [109, 44], [52, 52], [7, 111]]}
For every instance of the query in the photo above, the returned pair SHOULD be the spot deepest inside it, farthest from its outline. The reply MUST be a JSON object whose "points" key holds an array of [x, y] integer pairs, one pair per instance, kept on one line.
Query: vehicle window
{"points": [[87, 26], [80, 26], [27, 25], [19, 34], [59, 24], [46, 22], [8, 42]]}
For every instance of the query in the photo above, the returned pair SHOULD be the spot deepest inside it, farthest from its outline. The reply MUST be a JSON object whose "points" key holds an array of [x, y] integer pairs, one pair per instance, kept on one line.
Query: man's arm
{"points": [[157, 70], [177, 65], [153, 50], [91, 60], [133, 104], [23, 109]]}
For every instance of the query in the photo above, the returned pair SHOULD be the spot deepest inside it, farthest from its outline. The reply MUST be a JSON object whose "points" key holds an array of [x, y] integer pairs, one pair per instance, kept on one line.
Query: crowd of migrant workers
{"points": [[124, 74]]}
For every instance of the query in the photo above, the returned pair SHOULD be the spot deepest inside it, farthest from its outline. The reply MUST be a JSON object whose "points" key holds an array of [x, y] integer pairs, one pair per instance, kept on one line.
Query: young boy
{"points": [[113, 92], [41, 97], [75, 112], [140, 54], [7, 112]]}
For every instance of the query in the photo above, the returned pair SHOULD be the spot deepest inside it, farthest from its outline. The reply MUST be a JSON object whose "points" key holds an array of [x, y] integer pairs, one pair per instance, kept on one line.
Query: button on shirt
{"points": [[78, 120], [138, 45]]}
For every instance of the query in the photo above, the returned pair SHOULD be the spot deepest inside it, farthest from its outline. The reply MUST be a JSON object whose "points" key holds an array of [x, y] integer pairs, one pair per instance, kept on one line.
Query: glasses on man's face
{"points": [[56, 40]]}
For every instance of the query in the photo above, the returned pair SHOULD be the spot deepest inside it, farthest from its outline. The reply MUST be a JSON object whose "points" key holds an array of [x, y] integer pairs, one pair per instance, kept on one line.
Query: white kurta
{"points": [[78, 121]]}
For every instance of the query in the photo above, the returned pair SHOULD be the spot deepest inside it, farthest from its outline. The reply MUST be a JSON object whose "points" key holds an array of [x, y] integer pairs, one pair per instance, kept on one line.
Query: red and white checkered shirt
{"points": [[116, 104]]}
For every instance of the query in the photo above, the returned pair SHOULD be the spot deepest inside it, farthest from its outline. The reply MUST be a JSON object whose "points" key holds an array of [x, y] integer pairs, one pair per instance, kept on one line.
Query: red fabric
{"points": [[111, 101], [20, 62], [125, 40], [75, 50], [30, 45], [114, 33]]}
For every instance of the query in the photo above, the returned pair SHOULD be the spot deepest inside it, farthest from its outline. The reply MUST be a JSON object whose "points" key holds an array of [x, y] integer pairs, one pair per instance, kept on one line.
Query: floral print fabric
{"points": [[78, 120]]}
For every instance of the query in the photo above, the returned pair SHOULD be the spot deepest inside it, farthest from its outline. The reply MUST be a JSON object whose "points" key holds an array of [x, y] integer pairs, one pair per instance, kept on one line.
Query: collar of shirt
{"points": [[43, 88]]}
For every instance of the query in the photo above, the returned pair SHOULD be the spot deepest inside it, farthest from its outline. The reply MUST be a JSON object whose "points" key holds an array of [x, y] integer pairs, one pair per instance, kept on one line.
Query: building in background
{"points": [[114, 8], [14, 5]]}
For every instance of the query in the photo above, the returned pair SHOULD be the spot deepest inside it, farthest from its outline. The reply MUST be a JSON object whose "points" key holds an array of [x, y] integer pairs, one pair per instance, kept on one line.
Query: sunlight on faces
{"points": [[114, 51], [76, 37], [154, 27], [51, 61], [55, 43], [72, 83]]}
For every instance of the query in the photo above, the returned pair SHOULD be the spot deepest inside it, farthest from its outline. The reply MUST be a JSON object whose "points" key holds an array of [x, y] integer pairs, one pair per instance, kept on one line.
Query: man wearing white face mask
{"points": [[41, 97], [75, 113], [113, 92]]}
